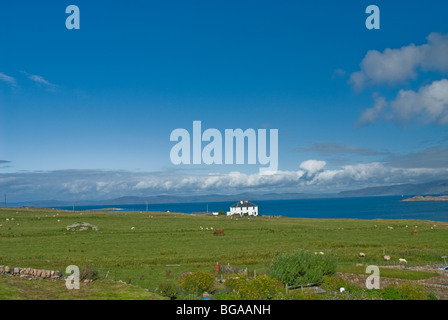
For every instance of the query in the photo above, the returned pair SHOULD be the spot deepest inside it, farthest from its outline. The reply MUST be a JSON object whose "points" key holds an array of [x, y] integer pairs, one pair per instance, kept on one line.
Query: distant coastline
{"points": [[427, 198]]}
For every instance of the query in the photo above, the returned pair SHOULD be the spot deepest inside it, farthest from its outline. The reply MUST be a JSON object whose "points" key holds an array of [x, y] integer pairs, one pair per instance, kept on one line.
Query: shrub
{"points": [[260, 288], [196, 282], [301, 268], [168, 289], [87, 273]]}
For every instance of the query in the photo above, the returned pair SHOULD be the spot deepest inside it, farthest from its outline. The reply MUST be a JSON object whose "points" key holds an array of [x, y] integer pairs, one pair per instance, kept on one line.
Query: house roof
{"points": [[245, 203]]}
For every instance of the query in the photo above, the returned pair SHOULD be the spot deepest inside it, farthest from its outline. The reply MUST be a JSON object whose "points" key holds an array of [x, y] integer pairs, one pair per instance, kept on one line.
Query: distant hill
{"points": [[157, 199], [430, 188]]}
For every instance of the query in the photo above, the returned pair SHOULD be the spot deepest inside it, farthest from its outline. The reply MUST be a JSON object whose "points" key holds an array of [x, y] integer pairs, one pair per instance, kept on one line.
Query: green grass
{"points": [[140, 257], [13, 288], [393, 273]]}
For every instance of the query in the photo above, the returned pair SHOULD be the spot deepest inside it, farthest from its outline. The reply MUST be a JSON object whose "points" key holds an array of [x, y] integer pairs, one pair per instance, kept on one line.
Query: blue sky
{"points": [[87, 114]]}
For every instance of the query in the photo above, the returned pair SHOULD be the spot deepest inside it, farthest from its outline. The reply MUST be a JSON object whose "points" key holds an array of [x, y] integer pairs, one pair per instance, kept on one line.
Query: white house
{"points": [[243, 208]]}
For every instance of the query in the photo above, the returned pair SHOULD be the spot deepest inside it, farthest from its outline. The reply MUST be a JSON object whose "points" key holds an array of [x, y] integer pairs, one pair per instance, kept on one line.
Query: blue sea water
{"points": [[356, 208]]}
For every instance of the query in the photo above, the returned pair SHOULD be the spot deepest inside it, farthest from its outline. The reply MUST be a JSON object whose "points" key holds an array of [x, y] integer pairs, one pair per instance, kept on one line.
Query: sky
{"points": [[87, 113]]}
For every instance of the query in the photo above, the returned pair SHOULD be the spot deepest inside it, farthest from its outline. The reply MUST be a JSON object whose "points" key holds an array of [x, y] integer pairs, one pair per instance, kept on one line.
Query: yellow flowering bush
{"points": [[197, 282], [260, 288]]}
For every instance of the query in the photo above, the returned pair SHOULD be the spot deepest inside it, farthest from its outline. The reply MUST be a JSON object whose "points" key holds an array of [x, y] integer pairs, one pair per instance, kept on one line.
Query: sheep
{"points": [[132, 228], [390, 228], [386, 258], [362, 254], [401, 260]]}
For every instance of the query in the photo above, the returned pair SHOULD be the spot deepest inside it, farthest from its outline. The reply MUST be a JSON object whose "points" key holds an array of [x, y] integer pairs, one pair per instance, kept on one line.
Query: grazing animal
{"points": [[402, 260], [414, 232], [386, 258], [218, 232], [362, 254]]}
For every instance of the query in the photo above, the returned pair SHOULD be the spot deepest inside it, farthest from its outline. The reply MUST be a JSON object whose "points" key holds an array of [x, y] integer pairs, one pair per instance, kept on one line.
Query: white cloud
{"points": [[436, 53], [312, 166], [8, 79], [371, 115], [398, 65], [427, 105], [39, 80]]}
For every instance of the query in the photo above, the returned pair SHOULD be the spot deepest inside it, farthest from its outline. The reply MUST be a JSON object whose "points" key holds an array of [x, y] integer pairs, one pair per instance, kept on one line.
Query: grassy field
{"points": [[145, 249]]}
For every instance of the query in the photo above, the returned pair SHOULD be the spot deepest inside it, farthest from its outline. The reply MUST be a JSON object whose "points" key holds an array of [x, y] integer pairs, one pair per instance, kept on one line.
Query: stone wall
{"points": [[31, 274]]}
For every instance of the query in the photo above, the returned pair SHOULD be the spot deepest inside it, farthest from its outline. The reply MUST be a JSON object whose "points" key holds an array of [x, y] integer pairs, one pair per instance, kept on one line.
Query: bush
{"points": [[260, 288], [87, 273], [301, 268], [197, 282], [168, 289]]}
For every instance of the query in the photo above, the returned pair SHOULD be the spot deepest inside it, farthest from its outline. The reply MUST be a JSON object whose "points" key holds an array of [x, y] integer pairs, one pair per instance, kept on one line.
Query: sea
{"points": [[347, 208]]}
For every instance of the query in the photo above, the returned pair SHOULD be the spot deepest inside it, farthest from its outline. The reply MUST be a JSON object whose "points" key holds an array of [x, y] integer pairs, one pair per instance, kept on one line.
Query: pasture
{"points": [[147, 248]]}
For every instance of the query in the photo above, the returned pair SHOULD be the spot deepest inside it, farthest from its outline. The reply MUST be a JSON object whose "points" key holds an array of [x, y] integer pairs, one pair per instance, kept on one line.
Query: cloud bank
{"points": [[311, 176]]}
